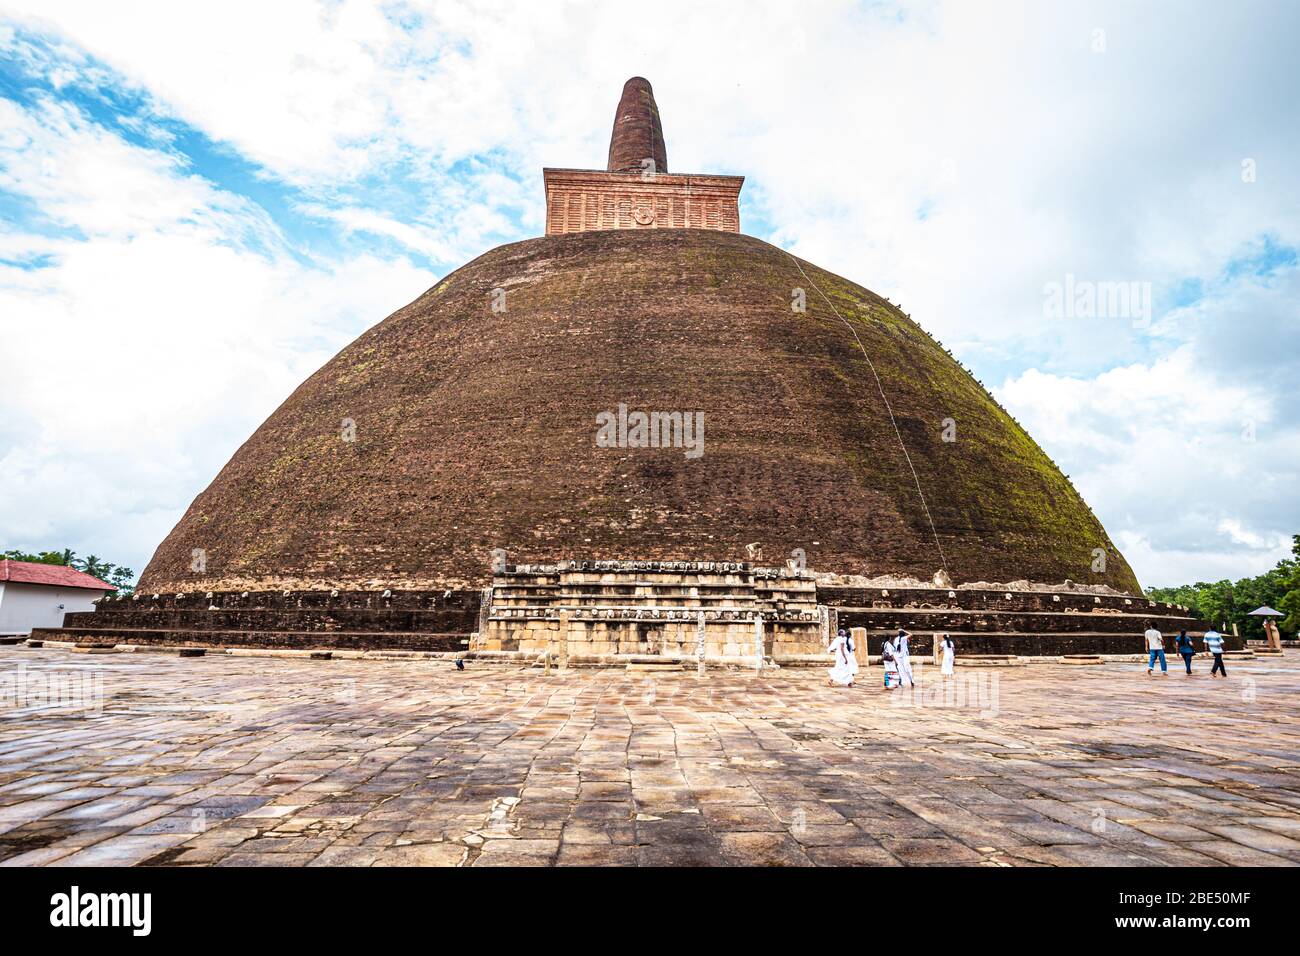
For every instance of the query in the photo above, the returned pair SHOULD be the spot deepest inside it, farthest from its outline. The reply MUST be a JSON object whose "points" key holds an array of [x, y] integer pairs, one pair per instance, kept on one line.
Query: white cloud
{"points": [[1195, 456], [156, 340], [418, 238], [80, 175]]}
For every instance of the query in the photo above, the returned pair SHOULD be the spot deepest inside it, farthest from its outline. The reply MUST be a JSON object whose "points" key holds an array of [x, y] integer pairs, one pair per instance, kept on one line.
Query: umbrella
{"points": [[1265, 611]]}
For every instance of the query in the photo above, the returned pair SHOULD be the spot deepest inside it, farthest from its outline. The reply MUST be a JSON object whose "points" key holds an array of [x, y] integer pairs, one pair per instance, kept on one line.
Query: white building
{"points": [[38, 595]]}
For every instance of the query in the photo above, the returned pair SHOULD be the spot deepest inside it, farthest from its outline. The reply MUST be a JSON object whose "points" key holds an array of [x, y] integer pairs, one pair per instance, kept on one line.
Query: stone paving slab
{"points": [[150, 759]]}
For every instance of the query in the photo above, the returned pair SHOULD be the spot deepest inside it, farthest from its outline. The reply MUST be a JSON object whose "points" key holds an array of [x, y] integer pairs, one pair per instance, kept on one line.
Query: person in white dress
{"points": [[946, 645], [887, 651], [903, 658], [845, 662]]}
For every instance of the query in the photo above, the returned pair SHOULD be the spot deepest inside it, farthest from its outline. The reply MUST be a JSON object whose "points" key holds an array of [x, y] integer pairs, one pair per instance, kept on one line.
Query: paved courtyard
{"points": [[290, 762]]}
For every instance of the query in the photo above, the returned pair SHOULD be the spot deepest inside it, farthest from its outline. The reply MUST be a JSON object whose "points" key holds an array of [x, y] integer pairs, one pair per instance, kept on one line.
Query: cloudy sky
{"points": [[201, 203]]}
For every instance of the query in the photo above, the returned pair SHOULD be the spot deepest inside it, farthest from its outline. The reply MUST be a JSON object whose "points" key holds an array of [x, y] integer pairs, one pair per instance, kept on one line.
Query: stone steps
{"points": [[357, 619], [234, 600], [294, 640], [619, 608], [991, 660], [979, 599]]}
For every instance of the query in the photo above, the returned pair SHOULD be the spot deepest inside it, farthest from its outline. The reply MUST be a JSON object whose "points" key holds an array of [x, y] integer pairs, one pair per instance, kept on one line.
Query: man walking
{"points": [[1155, 648], [1214, 644]]}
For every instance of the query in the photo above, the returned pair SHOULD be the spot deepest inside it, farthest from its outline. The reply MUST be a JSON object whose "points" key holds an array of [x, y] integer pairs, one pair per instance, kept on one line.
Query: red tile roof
{"points": [[55, 575]]}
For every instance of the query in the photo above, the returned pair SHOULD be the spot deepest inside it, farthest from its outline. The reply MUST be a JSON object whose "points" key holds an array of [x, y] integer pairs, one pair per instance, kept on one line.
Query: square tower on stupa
{"points": [[635, 190]]}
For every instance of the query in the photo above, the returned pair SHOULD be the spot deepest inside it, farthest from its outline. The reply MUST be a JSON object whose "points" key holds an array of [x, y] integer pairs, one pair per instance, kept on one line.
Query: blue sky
{"points": [[198, 207]]}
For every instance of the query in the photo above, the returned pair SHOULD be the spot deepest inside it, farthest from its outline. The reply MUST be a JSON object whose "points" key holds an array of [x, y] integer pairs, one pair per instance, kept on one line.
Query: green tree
{"points": [[64, 557], [91, 565], [1225, 603], [123, 579], [1289, 602]]}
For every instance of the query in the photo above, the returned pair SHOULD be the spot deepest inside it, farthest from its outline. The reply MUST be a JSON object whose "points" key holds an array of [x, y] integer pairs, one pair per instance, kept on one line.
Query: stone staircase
{"points": [[599, 609]]}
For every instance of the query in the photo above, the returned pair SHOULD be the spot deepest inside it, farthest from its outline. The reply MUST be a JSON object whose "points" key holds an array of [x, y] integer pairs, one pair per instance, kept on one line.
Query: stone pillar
{"points": [[825, 613], [699, 644], [938, 649], [758, 642], [484, 609], [859, 635], [564, 640]]}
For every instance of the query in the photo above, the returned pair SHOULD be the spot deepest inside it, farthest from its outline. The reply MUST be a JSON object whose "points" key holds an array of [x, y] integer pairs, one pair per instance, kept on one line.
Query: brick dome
{"points": [[467, 421]]}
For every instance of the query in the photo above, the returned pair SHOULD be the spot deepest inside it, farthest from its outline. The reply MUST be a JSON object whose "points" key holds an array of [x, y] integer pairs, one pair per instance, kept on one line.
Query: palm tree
{"points": [[91, 565]]}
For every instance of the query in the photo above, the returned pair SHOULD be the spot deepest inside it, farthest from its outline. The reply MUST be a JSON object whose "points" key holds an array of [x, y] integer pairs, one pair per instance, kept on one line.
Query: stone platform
{"points": [[615, 609], [305, 620], [1024, 622], [226, 760]]}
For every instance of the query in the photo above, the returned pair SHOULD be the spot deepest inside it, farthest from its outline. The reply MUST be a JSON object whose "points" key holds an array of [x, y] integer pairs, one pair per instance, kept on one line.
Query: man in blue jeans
{"points": [[1156, 648]]}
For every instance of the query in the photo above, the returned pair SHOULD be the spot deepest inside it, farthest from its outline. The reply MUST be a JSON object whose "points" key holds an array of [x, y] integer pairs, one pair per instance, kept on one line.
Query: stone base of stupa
{"points": [[606, 612]]}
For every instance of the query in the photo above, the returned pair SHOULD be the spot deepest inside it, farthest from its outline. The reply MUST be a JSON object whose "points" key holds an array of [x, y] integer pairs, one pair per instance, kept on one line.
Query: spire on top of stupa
{"points": [[638, 136], [636, 191]]}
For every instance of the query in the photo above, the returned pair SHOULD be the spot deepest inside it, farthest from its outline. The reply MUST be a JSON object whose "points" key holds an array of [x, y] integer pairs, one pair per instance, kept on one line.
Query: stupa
{"points": [[642, 421]]}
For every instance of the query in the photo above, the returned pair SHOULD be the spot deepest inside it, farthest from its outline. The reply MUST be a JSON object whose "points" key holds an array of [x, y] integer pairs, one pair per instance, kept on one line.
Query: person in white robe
{"points": [[946, 645], [903, 659], [845, 662], [888, 657]]}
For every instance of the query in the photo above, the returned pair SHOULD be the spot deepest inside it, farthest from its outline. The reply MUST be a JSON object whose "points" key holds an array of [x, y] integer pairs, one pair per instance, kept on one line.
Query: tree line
{"points": [[1225, 603], [121, 577]]}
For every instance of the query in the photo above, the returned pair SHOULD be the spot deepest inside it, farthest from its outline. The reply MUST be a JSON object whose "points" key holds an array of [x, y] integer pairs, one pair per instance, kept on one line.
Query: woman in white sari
{"points": [[845, 664], [903, 658], [946, 645], [887, 651]]}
